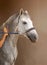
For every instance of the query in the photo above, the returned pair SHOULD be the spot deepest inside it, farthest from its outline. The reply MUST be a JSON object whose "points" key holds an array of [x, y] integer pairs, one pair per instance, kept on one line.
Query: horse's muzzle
{"points": [[33, 37]]}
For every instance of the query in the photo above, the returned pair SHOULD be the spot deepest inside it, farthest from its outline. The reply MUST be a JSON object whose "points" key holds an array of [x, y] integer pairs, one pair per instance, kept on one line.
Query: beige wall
{"points": [[29, 53]]}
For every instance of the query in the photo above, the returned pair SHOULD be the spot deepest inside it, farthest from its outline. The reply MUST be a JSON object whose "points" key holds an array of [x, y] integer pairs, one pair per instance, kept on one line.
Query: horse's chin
{"points": [[28, 37], [31, 39]]}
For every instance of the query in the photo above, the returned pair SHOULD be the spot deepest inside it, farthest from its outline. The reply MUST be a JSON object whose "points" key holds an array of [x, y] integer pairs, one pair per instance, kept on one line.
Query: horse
{"points": [[18, 24]]}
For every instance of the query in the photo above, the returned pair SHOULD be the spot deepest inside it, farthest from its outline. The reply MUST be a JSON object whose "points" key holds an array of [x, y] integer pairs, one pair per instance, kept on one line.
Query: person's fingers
{"points": [[6, 34], [5, 29]]}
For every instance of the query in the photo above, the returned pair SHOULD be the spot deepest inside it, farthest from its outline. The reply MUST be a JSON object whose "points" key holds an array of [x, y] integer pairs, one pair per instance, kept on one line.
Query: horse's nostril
{"points": [[32, 37], [35, 37]]}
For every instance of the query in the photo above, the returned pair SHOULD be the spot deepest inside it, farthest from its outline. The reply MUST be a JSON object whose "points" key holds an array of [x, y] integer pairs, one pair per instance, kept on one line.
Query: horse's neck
{"points": [[14, 37], [12, 23]]}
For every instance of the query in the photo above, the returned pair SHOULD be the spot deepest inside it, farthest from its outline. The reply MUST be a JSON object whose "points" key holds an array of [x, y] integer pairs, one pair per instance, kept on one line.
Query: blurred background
{"points": [[29, 53]]}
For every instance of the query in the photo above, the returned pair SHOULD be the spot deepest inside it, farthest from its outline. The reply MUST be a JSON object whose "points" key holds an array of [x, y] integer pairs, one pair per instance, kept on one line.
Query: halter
{"points": [[30, 29], [17, 32]]}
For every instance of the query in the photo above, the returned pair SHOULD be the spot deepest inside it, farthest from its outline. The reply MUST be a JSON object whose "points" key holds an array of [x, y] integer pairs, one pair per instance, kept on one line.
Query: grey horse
{"points": [[18, 24]]}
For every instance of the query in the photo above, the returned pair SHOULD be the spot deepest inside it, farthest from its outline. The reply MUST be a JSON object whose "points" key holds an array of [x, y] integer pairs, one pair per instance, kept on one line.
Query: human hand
{"points": [[5, 31]]}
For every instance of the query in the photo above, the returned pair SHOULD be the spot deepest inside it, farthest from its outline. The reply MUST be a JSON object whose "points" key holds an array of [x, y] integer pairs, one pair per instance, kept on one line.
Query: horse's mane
{"points": [[7, 22], [10, 19]]}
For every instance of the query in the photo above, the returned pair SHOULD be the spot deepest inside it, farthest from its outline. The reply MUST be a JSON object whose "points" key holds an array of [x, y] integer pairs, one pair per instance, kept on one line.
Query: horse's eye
{"points": [[24, 22]]}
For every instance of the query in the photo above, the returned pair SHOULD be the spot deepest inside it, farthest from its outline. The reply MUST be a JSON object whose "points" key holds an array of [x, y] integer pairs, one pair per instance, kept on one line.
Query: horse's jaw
{"points": [[28, 38]]}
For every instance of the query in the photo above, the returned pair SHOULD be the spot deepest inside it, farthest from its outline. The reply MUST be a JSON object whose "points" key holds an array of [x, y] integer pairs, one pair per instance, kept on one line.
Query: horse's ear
{"points": [[26, 11], [21, 11]]}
